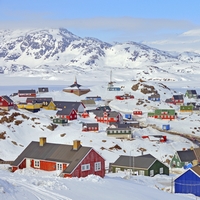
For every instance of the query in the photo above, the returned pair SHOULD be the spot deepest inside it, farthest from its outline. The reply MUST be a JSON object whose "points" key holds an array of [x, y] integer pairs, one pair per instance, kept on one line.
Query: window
{"points": [[36, 163], [141, 172], [85, 167], [161, 170], [151, 172], [97, 166], [178, 164], [58, 166], [117, 169]]}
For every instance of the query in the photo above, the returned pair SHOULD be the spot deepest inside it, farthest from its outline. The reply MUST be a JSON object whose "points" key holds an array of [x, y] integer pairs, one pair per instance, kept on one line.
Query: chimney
{"points": [[76, 144], [42, 141]]}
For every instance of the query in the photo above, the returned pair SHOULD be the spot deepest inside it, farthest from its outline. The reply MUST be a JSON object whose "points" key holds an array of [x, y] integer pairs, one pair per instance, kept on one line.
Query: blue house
{"points": [[95, 98], [154, 97], [189, 181], [128, 116]]}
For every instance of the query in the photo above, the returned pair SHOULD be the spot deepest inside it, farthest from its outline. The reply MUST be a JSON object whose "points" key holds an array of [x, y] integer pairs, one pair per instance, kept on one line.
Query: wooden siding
{"points": [[91, 158]]}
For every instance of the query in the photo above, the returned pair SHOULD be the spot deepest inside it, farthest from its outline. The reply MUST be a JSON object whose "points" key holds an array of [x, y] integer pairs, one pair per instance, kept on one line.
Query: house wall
{"points": [[156, 167], [91, 158], [44, 165], [176, 162], [187, 183]]}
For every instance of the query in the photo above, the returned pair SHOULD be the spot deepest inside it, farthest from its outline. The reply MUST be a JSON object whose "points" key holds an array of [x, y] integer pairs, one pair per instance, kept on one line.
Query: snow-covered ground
{"points": [[35, 184]]}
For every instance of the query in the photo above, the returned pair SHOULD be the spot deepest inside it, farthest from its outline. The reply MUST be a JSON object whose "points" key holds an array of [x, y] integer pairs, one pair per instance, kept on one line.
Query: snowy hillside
{"points": [[59, 49]]}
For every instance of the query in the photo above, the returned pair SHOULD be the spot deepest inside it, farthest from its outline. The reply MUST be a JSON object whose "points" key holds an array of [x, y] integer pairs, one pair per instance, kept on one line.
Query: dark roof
{"points": [[169, 100], [154, 96], [39, 99], [119, 125], [54, 152], [191, 92], [90, 124], [43, 89], [26, 91], [100, 113], [65, 111], [68, 104], [143, 161], [178, 97], [186, 156], [8, 99]]}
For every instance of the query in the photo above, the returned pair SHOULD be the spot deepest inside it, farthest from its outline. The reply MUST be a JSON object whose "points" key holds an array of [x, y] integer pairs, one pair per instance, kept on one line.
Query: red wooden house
{"points": [[6, 103], [72, 160], [85, 114], [26, 93], [123, 97], [90, 127], [137, 112], [67, 113], [107, 117]]}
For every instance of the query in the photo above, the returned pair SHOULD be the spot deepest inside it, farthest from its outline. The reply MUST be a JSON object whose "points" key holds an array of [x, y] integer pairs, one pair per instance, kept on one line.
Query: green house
{"points": [[183, 158], [188, 108], [60, 121], [146, 165], [119, 132], [163, 114], [191, 94]]}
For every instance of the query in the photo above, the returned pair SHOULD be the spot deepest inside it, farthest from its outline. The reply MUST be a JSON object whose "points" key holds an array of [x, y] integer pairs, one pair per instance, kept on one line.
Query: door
{"points": [[59, 166], [28, 163]]}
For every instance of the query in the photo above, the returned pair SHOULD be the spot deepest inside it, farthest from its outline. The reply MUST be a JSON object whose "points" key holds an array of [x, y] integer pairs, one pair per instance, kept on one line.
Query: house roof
{"points": [[26, 91], [43, 89], [8, 99], [143, 161], [68, 104], [119, 125], [89, 101], [39, 99], [197, 153], [100, 113], [178, 97], [196, 169], [186, 156], [54, 152], [154, 96], [90, 124], [65, 111], [191, 92]]}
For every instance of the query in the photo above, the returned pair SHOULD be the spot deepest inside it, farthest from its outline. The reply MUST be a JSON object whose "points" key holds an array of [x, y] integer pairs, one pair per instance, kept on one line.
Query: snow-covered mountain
{"points": [[29, 49]]}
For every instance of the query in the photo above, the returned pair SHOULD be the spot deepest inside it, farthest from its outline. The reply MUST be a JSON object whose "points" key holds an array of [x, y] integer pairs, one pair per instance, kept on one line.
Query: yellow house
{"points": [[49, 105], [29, 106]]}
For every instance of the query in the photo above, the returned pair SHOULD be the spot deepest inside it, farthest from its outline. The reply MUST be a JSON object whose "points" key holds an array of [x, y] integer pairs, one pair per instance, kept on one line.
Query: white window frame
{"points": [[85, 167], [97, 166], [161, 170], [141, 172], [59, 166], [152, 172], [37, 163]]}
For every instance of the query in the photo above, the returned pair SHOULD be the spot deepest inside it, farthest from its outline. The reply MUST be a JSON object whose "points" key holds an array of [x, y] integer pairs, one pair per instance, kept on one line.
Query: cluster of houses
{"points": [[80, 161]]}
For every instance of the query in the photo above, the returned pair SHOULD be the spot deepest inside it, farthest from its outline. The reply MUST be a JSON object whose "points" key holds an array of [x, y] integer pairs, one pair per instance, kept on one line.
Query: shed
{"points": [[166, 127], [128, 116]]}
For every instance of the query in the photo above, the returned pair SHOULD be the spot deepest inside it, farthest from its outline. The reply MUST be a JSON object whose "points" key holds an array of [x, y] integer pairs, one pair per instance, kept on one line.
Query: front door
{"points": [[59, 166], [28, 163]]}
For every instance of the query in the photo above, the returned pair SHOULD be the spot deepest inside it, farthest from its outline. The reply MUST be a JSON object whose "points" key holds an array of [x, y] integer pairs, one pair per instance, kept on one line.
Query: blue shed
{"points": [[128, 116], [166, 127], [188, 182]]}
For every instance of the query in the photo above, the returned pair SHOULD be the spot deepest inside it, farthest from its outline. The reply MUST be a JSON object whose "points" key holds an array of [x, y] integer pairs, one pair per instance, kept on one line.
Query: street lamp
{"points": [[131, 163]]}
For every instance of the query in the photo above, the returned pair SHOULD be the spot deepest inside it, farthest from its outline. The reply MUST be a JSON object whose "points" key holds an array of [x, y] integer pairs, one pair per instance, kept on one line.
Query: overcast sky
{"points": [[151, 21]]}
